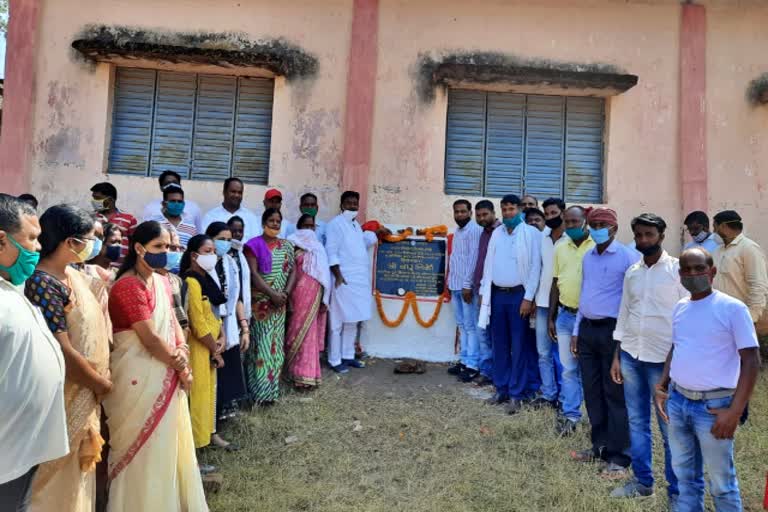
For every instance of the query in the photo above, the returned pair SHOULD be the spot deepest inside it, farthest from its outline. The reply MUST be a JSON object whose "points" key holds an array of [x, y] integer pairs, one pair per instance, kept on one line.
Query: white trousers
{"points": [[342, 342]]}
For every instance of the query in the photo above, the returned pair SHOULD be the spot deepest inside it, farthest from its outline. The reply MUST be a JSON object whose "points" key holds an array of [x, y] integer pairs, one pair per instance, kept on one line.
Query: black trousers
{"points": [[14, 495], [604, 398]]}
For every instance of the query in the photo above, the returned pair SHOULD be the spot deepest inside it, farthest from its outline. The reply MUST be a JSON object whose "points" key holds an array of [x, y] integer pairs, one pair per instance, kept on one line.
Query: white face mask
{"points": [[237, 245], [207, 261], [350, 215]]}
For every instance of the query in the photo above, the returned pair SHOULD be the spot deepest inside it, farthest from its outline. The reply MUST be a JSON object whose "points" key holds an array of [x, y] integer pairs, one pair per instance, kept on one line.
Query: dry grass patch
{"points": [[424, 444]]}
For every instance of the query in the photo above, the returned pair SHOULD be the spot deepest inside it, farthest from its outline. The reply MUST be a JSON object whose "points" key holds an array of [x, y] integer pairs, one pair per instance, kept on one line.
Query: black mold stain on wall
{"points": [[231, 49], [757, 91], [487, 67]]}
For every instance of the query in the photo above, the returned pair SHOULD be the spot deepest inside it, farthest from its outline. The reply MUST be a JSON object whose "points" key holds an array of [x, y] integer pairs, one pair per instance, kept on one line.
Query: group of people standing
{"points": [[132, 341], [555, 312]]}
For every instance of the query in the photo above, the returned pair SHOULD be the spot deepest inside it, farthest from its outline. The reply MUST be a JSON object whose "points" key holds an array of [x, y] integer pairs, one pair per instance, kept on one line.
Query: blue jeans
{"points": [[465, 319], [512, 354], [544, 345], [483, 341], [693, 446], [572, 392], [640, 379]]}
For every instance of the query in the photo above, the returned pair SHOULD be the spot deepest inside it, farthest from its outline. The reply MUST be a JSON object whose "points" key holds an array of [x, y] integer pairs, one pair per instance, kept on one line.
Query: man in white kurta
{"points": [[347, 247]]}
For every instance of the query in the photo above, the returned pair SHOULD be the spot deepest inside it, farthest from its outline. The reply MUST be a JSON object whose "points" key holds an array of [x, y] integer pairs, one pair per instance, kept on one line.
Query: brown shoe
{"points": [[587, 455]]}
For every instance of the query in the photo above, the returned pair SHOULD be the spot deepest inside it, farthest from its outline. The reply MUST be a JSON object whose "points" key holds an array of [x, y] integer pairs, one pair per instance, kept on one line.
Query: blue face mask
{"points": [[222, 247], [514, 221], [175, 208], [156, 259], [97, 243], [174, 260], [600, 236], [113, 252], [575, 233]]}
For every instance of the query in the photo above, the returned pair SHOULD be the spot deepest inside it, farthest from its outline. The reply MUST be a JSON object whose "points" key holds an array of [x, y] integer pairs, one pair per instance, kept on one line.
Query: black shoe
{"points": [[456, 369], [514, 406], [497, 399], [566, 427], [468, 375], [482, 381]]}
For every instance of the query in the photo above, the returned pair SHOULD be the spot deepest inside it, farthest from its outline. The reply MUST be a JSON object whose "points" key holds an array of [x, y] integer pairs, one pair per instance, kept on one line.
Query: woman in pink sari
{"points": [[309, 300]]}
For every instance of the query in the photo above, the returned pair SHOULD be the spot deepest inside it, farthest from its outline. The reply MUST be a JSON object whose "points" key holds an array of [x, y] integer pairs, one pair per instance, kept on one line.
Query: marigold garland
{"points": [[409, 300], [429, 233]]}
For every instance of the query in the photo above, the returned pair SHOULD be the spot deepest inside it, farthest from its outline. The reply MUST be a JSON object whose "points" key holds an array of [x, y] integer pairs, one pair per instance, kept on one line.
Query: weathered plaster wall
{"points": [[737, 132], [409, 133], [71, 121]]}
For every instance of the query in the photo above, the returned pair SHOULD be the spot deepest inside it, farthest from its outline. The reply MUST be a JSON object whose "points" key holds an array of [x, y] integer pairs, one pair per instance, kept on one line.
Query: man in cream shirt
{"points": [[33, 422]]}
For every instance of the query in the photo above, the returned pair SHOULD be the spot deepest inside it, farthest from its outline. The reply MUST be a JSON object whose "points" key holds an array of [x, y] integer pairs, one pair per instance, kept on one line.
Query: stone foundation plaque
{"points": [[411, 266]]}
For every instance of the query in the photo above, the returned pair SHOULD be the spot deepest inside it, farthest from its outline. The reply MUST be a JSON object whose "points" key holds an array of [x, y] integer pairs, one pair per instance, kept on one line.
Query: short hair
{"points": [[106, 189], [464, 202], [553, 201], [532, 197], [534, 211], [649, 219], [510, 199], [350, 194], [228, 181], [698, 248], [485, 204], [11, 210], [308, 194], [697, 217], [165, 174], [172, 188], [303, 218], [729, 217], [214, 228], [268, 213], [29, 198], [110, 228], [60, 222], [235, 218]]}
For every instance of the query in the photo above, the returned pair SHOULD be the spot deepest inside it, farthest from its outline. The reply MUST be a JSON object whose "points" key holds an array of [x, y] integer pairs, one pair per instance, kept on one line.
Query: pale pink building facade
{"points": [[353, 105]]}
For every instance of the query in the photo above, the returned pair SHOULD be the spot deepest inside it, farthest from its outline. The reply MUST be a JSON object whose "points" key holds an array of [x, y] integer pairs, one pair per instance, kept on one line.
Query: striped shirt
{"points": [[185, 229], [127, 224], [466, 242]]}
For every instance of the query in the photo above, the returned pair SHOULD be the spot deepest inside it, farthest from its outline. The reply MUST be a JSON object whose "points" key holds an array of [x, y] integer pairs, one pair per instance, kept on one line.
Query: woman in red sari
{"points": [[309, 300], [152, 463]]}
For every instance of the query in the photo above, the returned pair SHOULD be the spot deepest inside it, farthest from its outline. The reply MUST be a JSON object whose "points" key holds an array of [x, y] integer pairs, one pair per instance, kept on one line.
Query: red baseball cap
{"points": [[273, 193]]}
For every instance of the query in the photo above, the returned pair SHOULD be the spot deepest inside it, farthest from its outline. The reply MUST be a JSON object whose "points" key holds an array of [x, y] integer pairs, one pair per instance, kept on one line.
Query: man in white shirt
{"points": [[33, 428], [510, 280], [347, 247], [308, 205], [708, 378], [545, 345], [697, 224], [643, 337], [192, 214], [233, 198], [466, 240]]}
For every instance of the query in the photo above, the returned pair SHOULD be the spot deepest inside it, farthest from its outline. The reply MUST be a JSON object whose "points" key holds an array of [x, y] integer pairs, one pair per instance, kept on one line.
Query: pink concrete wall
{"points": [[19, 95], [406, 179]]}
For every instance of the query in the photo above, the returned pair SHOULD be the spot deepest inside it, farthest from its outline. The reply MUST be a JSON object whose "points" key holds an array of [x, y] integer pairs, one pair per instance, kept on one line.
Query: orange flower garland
{"points": [[409, 300]]}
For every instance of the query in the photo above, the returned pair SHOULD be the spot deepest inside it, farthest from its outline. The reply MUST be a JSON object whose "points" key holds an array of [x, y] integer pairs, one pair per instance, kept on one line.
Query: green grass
{"points": [[426, 445]]}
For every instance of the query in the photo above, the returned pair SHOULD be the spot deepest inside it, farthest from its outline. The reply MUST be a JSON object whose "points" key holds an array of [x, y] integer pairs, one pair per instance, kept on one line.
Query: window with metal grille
{"points": [[504, 143], [205, 127]]}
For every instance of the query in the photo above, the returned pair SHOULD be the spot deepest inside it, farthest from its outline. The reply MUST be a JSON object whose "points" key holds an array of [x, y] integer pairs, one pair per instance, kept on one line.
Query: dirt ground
{"points": [[375, 441]]}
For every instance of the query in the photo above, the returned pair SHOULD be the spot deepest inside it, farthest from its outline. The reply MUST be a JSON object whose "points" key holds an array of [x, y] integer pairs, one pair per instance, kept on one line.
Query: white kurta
{"points": [[347, 246]]}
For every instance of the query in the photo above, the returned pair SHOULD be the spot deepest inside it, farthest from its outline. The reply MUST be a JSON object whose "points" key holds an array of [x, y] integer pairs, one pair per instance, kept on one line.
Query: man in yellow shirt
{"points": [[741, 265], [563, 306]]}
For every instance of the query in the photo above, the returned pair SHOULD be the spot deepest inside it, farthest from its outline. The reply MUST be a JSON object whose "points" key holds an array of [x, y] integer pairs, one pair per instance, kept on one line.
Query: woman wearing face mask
{"points": [[270, 260], [175, 253], [77, 321], [309, 302], [206, 339], [230, 383], [148, 413], [105, 253]]}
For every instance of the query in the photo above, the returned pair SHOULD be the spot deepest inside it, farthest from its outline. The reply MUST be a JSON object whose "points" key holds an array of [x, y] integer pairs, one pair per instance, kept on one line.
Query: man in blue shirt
{"points": [[697, 224], [601, 289]]}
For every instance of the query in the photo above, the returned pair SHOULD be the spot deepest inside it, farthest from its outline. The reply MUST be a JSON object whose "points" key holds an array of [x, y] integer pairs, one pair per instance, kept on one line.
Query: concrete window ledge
{"points": [[122, 44]]}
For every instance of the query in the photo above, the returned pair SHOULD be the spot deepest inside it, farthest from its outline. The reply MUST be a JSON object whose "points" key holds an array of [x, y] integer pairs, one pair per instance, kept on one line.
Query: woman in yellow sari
{"points": [[77, 321], [152, 463]]}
